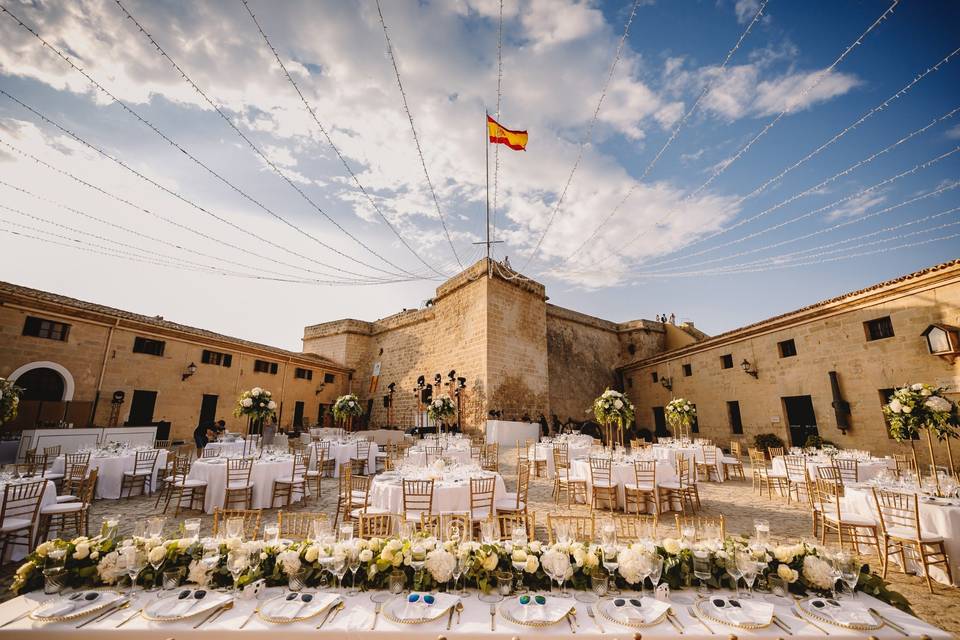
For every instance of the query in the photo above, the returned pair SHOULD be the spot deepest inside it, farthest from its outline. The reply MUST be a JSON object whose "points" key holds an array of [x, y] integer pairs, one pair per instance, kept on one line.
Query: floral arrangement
{"points": [[347, 406], [919, 406], [9, 400], [257, 404], [97, 561], [680, 414], [613, 407], [441, 408]]}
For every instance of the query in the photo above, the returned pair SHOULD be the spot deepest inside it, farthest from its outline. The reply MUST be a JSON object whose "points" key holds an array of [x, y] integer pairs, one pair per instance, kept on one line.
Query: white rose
{"points": [[94, 555], [81, 551], [271, 405], [671, 546], [490, 562], [157, 554], [312, 553], [916, 386], [267, 393], [532, 564], [938, 404], [247, 402], [535, 546], [618, 404], [366, 555], [895, 406], [926, 392], [789, 575], [784, 554], [907, 410], [518, 555]]}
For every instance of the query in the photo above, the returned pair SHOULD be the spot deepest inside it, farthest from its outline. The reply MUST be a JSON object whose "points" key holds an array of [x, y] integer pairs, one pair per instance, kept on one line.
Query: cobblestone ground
{"points": [[733, 499]]}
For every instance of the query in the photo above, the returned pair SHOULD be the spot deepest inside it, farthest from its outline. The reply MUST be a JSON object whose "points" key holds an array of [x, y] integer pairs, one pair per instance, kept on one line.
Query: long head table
{"points": [[357, 619]]}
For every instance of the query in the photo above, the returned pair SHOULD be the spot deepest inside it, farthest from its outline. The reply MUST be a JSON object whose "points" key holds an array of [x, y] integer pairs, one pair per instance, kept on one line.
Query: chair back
{"points": [[904, 465], [22, 500], [523, 484], [899, 512], [145, 461], [481, 497], [75, 458], [601, 471], [417, 496], [181, 469], [645, 472], [631, 527], [581, 528], [299, 469], [238, 472], [251, 521], [709, 455], [735, 450], [360, 491], [796, 468], [378, 525], [448, 526], [701, 525], [561, 456], [88, 487], [682, 465], [830, 473], [829, 495], [506, 522], [773, 452], [363, 449], [849, 470], [299, 525], [490, 458], [74, 476], [757, 458], [52, 452], [161, 444], [210, 452]]}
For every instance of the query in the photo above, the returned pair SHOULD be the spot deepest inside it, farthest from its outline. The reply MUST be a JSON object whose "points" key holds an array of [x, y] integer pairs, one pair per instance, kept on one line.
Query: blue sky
{"points": [[695, 237]]}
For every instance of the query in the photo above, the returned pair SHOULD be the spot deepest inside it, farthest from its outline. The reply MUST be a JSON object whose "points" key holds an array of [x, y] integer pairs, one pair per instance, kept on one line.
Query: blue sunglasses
{"points": [[427, 598], [537, 599]]}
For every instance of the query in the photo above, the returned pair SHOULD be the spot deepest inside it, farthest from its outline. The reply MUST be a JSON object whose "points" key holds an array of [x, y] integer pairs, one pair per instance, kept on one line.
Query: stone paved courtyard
{"points": [[734, 499]]}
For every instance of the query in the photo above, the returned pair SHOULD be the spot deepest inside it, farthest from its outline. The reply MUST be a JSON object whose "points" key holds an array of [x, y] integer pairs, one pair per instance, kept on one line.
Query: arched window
{"points": [[43, 384]]}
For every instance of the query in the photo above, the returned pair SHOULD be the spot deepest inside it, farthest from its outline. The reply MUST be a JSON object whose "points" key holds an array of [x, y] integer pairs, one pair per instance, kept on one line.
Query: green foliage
{"points": [[764, 441]]}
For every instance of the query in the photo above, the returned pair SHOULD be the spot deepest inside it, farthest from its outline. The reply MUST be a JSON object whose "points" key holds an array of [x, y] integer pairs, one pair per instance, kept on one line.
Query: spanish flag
{"points": [[516, 140]]}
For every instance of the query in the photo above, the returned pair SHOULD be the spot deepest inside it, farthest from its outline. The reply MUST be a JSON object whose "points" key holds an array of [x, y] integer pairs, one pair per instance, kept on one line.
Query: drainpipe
{"points": [[103, 370]]}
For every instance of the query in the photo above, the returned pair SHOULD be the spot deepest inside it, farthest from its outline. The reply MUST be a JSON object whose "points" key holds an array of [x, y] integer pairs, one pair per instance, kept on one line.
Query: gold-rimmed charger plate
{"points": [[704, 609], [102, 603], [150, 611], [506, 610], [806, 610], [305, 614], [603, 607], [390, 606]]}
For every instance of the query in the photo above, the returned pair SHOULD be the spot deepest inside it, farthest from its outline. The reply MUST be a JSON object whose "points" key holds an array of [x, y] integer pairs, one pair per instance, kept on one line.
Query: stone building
{"points": [[784, 375], [73, 356]]}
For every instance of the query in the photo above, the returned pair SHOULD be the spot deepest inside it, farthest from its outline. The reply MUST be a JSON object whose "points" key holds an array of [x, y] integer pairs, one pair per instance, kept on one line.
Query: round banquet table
{"points": [[939, 519], [577, 448], [343, 452], [49, 497], [622, 473], [866, 471], [386, 494], [418, 455], [693, 454], [110, 470], [213, 471], [228, 449]]}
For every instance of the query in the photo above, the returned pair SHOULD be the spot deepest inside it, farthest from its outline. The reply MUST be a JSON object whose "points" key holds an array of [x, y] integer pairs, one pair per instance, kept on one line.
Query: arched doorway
{"points": [[43, 384]]}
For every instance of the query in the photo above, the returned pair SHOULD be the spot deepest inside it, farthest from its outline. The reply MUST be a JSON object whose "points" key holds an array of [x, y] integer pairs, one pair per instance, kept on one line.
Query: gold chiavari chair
{"points": [[798, 478], [700, 524], [490, 457], [72, 516], [210, 451], [21, 503], [329, 468], [447, 526], [378, 525], [631, 527], [512, 502], [300, 525], [181, 487], [849, 470], [850, 528], [507, 522], [161, 444], [775, 452], [582, 528], [601, 480], [144, 464], [538, 461], [344, 495], [361, 459], [643, 490], [904, 464], [251, 521], [239, 489], [359, 496], [733, 464], [682, 490], [576, 489], [286, 487], [901, 530], [76, 473], [482, 498], [763, 476], [709, 465], [417, 499]]}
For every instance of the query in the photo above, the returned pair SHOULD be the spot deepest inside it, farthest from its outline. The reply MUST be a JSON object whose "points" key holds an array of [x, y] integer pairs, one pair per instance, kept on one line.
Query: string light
{"points": [[413, 129], [587, 139], [718, 171], [673, 135], [496, 147], [336, 149]]}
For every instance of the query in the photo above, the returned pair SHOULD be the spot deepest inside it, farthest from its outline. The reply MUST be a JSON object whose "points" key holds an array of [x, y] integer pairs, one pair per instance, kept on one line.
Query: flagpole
{"points": [[486, 148]]}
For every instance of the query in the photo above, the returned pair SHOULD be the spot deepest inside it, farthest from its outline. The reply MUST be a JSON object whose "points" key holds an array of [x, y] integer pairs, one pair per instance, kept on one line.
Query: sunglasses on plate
{"points": [[427, 598], [720, 604], [619, 602], [536, 599]]}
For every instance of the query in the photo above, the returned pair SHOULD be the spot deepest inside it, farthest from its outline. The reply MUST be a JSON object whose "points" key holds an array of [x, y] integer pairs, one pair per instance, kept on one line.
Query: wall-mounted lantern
{"points": [[666, 382], [191, 369], [749, 369], [943, 340]]}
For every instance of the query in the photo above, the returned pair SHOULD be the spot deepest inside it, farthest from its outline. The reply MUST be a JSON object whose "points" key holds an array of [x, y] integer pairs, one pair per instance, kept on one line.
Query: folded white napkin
{"points": [[847, 613], [648, 611], [749, 611], [551, 611], [65, 606], [282, 608], [419, 609]]}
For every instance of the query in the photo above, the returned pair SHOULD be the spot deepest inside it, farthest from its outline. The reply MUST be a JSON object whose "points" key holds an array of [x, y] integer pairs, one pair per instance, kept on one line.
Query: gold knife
{"points": [[128, 618], [215, 613], [796, 611], [672, 619], [886, 621], [105, 614], [376, 614], [337, 610], [449, 617], [330, 612], [591, 611], [493, 617], [573, 627], [255, 611], [19, 617], [783, 625], [696, 616]]}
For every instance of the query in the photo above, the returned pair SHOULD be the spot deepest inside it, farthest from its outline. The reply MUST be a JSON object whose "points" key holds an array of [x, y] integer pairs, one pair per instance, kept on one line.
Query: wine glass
{"points": [[748, 568], [561, 567], [610, 562], [318, 526], [644, 567], [238, 562], [155, 526], [340, 570], [463, 560], [156, 564], [656, 571], [734, 572], [235, 528], [353, 564], [271, 532], [134, 562], [488, 532], [702, 569], [762, 530], [418, 558], [849, 567]]}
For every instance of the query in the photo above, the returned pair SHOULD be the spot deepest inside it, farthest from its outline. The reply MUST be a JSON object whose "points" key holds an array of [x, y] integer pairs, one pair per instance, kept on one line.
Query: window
{"points": [[733, 413], [878, 329], [217, 358], [787, 348], [726, 361], [40, 328], [303, 374], [148, 346], [655, 377], [262, 366], [688, 370], [629, 382], [329, 378]]}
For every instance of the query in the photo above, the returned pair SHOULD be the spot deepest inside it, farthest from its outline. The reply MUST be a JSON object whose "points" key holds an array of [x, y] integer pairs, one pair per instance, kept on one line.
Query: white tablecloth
{"points": [[447, 497], [262, 476], [356, 618], [937, 519], [110, 472], [418, 454], [228, 449], [693, 454], [506, 432], [19, 552], [343, 452], [622, 473], [576, 449], [866, 471]]}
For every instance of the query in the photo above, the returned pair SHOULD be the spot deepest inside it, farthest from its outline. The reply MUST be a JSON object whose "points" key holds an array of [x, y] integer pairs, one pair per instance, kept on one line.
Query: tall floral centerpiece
{"points": [[9, 400], [680, 415], [440, 409], [921, 407], [611, 409], [256, 405], [346, 408]]}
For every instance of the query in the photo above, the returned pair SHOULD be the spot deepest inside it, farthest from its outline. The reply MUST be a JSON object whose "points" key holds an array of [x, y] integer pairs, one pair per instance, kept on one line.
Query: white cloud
{"points": [[857, 206], [954, 132]]}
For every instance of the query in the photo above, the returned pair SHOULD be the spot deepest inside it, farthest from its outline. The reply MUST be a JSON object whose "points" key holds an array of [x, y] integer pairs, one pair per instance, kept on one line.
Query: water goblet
{"points": [[235, 528], [734, 572], [418, 558], [271, 532], [463, 563], [353, 564], [609, 559], [761, 529], [318, 527], [191, 527], [340, 570], [748, 569], [644, 568], [849, 566], [345, 533], [155, 526], [702, 569], [488, 531], [599, 582], [656, 571], [133, 562]]}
